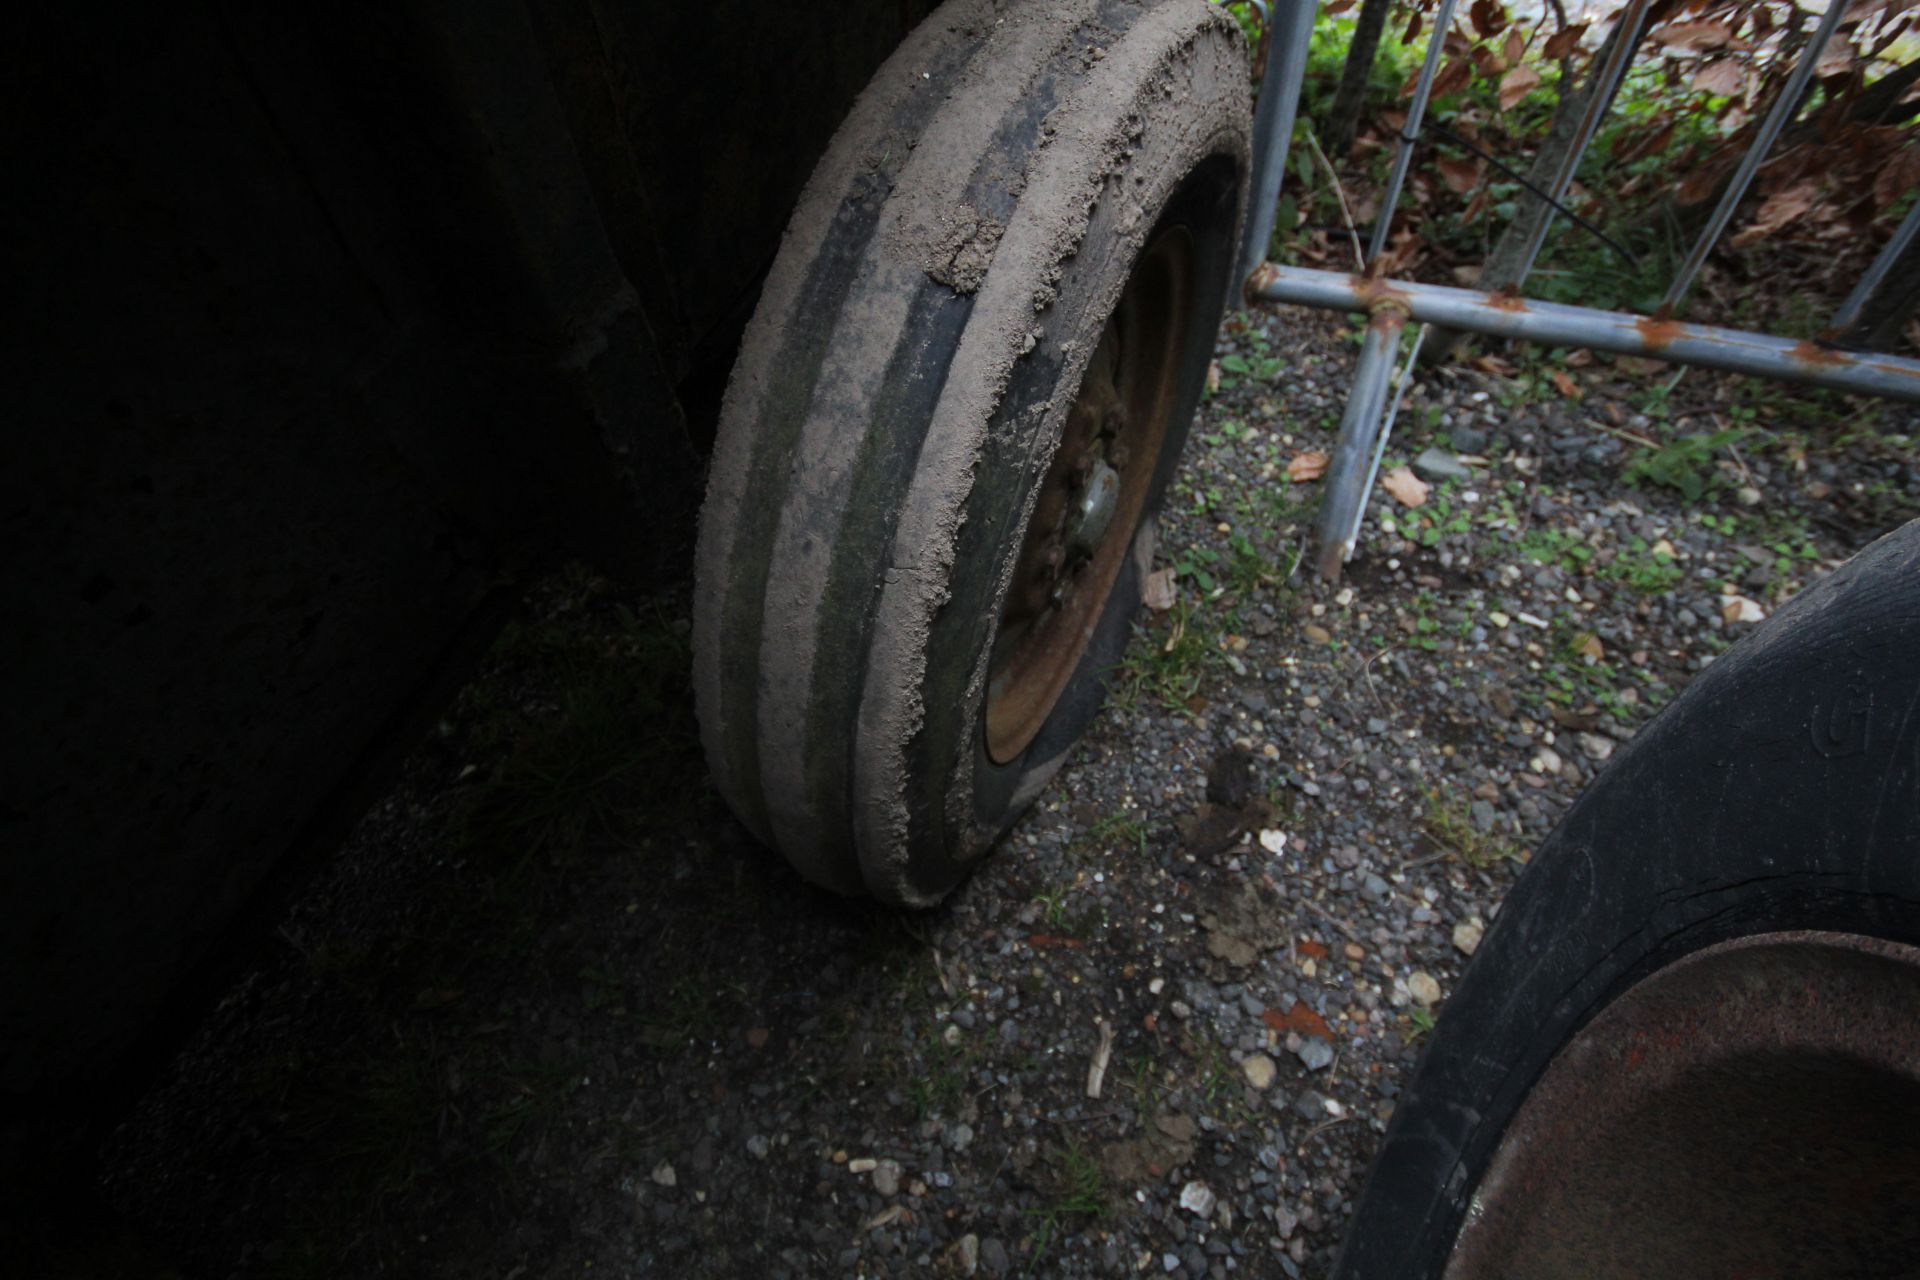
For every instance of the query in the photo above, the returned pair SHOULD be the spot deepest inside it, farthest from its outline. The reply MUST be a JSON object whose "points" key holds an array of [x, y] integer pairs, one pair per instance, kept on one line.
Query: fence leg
{"points": [[1777, 117], [1849, 313], [1380, 445], [1416, 112], [1289, 37], [1600, 94], [1351, 469], [1604, 90]]}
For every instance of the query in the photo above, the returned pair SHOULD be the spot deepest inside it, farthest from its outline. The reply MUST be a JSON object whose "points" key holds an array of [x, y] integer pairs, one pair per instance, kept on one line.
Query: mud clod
{"points": [[963, 253]]}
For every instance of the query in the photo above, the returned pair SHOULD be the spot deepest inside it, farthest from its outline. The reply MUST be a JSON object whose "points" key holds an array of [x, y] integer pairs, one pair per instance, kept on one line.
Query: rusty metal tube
{"points": [[1777, 117], [1289, 34], [1416, 112], [1349, 471], [1500, 316]]}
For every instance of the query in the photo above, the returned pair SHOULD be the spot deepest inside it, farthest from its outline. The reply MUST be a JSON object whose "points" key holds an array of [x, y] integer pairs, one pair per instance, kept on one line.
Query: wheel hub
{"points": [[1090, 500], [1093, 513], [1750, 1110]]}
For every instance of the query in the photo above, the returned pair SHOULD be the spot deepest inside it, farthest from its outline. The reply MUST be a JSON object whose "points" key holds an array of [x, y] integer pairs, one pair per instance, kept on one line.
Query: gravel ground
{"points": [[551, 1013]]}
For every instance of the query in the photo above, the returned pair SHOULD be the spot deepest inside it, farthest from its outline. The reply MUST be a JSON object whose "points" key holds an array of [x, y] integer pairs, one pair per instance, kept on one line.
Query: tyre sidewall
{"points": [[1780, 792], [1195, 176], [1000, 792]]}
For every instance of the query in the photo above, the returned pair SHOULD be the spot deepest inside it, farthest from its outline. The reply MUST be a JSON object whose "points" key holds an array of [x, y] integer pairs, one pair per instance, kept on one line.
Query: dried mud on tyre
{"points": [[918, 352]]}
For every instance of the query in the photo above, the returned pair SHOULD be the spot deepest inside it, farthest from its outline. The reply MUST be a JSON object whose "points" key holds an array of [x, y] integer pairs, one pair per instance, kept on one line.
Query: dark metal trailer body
{"points": [[326, 327]]}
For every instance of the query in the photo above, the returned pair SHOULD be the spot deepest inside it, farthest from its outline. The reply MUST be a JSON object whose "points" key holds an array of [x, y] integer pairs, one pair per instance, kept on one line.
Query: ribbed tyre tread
{"points": [[935, 258]]}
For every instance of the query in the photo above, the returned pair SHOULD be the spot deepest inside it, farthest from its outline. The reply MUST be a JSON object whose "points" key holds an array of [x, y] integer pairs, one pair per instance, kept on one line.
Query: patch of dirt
{"points": [[550, 1011]]}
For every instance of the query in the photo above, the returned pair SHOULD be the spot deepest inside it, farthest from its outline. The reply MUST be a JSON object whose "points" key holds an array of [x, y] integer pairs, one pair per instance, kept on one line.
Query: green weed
{"points": [[1438, 518], [1254, 368], [1120, 829], [939, 1085], [1053, 905], [1639, 568], [1560, 547], [1685, 465], [1449, 823], [612, 743], [1166, 661], [1078, 1193]]}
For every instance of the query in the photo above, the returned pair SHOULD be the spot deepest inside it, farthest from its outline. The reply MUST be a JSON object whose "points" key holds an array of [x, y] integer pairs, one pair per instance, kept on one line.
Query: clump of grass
{"points": [[940, 1082], [1078, 1192], [1684, 465], [1052, 902], [1641, 569], [1120, 828], [1217, 1077], [1167, 660], [1449, 823]]}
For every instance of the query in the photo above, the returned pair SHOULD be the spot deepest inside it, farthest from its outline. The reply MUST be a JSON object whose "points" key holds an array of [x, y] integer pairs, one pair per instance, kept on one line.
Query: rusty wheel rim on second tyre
{"points": [[1091, 498], [1751, 1110]]}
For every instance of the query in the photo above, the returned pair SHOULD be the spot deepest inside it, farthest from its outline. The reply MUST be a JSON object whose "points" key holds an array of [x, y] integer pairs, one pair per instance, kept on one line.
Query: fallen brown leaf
{"points": [[1899, 175], [1475, 207], [1722, 77], [1299, 1018], [1563, 383], [1699, 36], [1561, 42], [1579, 721], [1306, 466], [1453, 77], [1516, 85], [1780, 209], [1459, 175], [1160, 591], [1650, 142], [1407, 488], [1706, 175], [1835, 60]]}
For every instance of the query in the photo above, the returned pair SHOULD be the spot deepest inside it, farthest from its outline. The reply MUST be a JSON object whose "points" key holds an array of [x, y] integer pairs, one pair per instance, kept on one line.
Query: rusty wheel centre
{"points": [[1091, 498], [1753, 1110]]}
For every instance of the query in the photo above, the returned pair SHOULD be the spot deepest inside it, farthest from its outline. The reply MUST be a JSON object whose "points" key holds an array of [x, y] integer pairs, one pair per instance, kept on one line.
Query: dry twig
{"points": [[1340, 193]]}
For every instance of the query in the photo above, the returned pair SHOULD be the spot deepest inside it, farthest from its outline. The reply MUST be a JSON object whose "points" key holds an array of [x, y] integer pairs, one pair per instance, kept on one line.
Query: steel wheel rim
{"points": [[1091, 498], [1749, 1110]]}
